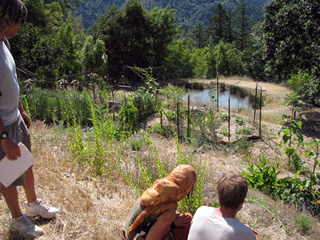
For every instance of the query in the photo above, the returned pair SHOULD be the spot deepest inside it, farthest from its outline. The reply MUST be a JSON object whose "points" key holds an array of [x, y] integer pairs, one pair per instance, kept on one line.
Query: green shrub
{"points": [[56, 105], [137, 143], [303, 223], [145, 103], [224, 117], [225, 132], [261, 176], [240, 121], [128, 117], [162, 130], [299, 82], [243, 144], [244, 131], [299, 192]]}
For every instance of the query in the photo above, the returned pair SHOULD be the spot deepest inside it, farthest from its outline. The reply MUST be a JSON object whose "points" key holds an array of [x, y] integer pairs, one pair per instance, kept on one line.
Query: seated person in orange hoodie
{"points": [[154, 216]]}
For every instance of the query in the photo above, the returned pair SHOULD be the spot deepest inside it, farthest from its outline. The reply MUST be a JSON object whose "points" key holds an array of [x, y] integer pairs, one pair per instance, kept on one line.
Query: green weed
{"points": [[303, 223], [243, 131]]}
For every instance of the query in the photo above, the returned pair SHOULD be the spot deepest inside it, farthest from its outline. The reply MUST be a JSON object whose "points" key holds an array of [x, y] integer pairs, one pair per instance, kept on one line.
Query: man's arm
{"points": [[24, 115]]}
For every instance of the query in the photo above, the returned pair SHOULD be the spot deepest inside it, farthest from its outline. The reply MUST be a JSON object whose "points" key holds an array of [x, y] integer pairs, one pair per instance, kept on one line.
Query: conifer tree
{"points": [[199, 34], [243, 26], [218, 24]]}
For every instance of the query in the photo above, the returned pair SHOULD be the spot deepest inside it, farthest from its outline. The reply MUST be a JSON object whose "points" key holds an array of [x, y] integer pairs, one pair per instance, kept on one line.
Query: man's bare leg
{"points": [[11, 196], [29, 186]]}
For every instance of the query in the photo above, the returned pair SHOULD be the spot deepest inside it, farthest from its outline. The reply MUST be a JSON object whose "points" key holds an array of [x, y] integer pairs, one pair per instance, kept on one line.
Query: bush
{"points": [[240, 121], [58, 105], [224, 117], [162, 130], [137, 142], [305, 85], [244, 131], [303, 223], [291, 190]]}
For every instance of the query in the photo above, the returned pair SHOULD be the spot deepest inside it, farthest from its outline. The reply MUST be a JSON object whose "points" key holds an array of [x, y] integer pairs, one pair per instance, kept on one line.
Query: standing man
{"points": [[14, 124], [220, 223]]}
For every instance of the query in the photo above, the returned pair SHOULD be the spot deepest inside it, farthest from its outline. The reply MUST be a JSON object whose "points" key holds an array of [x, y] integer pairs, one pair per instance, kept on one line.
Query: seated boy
{"points": [[220, 223]]}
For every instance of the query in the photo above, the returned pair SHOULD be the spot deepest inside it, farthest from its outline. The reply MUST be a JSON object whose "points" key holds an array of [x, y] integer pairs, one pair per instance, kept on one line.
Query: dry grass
{"points": [[90, 207], [95, 208]]}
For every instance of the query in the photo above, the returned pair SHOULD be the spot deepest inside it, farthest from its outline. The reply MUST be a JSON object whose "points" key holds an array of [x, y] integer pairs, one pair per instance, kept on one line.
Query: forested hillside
{"points": [[189, 12]]}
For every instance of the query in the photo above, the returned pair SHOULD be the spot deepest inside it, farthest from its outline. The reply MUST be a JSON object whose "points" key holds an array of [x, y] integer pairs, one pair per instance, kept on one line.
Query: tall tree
{"points": [[225, 59], [229, 28], [243, 26], [46, 46], [127, 39], [179, 61], [218, 24], [133, 37], [253, 54], [199, 34], [95, 60], [292, 37], [163, 32], [70, 45]]}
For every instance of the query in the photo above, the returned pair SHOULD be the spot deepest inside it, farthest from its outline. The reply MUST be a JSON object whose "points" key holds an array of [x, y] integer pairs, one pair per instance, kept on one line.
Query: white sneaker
{"points": [[25, 227], [40, 208]]}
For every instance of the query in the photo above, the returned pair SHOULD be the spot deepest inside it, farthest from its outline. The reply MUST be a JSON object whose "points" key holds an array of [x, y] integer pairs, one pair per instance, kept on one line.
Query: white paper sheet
{"points": [[11, 170]]}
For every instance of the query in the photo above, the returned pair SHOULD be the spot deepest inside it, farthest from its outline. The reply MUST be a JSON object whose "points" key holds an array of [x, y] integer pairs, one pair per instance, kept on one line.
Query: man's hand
{"points": [[11, 149]]}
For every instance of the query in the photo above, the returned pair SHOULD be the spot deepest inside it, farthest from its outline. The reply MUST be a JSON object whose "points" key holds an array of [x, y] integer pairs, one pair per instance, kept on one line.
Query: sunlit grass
{"points": [[94, 179]]}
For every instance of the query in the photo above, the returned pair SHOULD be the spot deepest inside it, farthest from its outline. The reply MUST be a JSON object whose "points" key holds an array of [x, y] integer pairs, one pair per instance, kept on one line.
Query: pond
{"points": [[204, 97]]}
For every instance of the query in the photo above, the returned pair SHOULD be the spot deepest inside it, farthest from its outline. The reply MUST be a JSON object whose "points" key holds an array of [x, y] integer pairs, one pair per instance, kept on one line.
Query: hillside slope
{"points": [[95, 208], [189, 12]]}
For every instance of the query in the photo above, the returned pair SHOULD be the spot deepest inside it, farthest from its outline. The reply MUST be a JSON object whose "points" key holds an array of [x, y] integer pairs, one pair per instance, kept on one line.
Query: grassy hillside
{"points": [[95, 207]]}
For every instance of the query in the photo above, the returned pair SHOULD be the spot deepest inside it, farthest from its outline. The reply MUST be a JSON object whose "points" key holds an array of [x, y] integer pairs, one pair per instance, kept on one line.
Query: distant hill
{"points": [[188, 11]]}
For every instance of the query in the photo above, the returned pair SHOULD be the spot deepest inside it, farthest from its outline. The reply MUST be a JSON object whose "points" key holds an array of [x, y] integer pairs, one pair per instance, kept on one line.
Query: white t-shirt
{"points": [[9, 87], [207, 225]]}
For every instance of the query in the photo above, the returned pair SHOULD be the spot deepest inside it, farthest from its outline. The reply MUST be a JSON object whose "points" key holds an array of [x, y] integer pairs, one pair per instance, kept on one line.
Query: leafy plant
{"points": [[291, 190], [162, 130], [240, 121], [145, 99], [225, 132], [291, 136], [137, 143], [173, 93], [224, 117], [261, 176], [128, 117], [171, 115], [244, 131], [314, 152], [208, 123]]}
